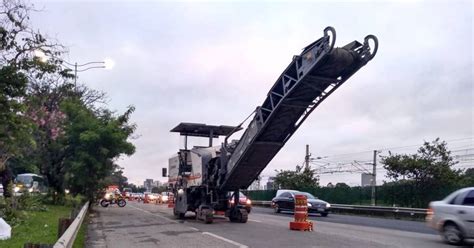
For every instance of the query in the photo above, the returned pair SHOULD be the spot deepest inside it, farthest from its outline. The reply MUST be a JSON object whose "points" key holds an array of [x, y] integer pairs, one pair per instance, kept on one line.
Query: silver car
{"points": [[453, 217]]}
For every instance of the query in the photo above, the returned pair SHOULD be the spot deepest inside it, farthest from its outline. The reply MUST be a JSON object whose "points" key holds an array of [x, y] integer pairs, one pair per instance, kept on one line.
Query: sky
{"points": [[214, 62]]}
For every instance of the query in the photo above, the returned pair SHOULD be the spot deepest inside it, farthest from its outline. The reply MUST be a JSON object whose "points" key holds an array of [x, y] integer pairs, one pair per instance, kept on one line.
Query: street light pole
{"points": [[106, 64], [85, 67]]}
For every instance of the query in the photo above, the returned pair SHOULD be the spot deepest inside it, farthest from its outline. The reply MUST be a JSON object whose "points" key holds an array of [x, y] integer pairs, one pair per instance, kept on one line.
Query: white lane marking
{"points": [[195, 229], [226, 240], [255, 221]]}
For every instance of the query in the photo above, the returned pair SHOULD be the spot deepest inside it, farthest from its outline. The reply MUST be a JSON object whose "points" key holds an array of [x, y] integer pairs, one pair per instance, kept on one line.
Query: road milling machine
{"points": [[202, 177]]}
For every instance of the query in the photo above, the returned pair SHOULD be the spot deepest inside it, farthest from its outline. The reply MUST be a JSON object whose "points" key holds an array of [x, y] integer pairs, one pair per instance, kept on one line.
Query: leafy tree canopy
{"points": [[302, 178]]}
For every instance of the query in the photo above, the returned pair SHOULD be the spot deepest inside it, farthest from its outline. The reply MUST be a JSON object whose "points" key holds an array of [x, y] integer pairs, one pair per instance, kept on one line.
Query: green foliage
{"points": [[93, 141], [21, 45], [13, 125], [302, 178], [19, 66], [159, 189], [30, 202], [48, 125], [36, 227], [9, 213], [136, 189], [468, 178], [116, 178], [427, 171]]}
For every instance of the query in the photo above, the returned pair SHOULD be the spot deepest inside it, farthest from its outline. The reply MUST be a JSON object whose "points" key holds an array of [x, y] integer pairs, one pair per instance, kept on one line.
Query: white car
{"points": [[165, 196], [453, 217]]}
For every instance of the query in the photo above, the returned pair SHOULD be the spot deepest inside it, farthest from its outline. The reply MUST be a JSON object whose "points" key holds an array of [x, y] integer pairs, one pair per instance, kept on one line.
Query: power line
{"points": [[390, 148]]}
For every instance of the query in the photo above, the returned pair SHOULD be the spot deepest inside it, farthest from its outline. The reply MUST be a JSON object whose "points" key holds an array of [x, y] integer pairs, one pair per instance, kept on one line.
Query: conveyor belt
{"points": [[311, 77]]}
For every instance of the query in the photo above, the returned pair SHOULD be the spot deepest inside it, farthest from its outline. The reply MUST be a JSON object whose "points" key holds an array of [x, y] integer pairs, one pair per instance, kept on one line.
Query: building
{"points": [[157, 184], [148, 184], [270, 183], [255, 185], [366, 179]]}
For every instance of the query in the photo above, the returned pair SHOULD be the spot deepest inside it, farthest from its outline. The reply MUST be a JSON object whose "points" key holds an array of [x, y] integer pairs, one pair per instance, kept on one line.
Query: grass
{"points": [[38, 227]]}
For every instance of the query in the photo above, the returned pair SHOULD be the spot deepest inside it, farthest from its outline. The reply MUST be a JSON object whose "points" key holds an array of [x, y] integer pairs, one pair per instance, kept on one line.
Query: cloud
{"points": [[215, 62]]}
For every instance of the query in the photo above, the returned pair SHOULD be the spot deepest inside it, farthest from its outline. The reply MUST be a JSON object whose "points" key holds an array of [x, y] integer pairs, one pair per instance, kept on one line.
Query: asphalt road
{"points": [[148, 225], [402, 225]]}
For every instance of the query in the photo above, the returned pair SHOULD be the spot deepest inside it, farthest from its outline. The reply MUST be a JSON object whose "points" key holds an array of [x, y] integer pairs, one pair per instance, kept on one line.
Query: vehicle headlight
{"points": [[249, 202], [328, 205], [16, 189], [309, 204], [30, 190]]}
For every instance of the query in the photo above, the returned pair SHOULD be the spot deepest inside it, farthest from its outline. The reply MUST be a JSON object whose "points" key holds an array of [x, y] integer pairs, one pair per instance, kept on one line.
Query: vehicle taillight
{"points": [[429, 214], [248, 202], [429, 211]]}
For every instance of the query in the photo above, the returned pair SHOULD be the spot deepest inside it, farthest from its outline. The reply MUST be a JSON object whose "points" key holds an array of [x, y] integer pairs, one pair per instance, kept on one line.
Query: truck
{"points": [[201, 177]]}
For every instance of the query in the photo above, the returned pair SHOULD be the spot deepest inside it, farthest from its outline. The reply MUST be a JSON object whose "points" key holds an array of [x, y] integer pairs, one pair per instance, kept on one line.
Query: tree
{"points": [[429, 170], [159, 189], [14, 127], [19, 65], [302, 178], [92, 142], [116, 177], [468, 178], [20, 44]]}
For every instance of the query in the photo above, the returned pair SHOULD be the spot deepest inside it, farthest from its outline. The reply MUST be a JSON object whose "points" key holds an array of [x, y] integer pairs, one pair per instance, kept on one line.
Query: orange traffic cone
{"points": [[301, 222]]}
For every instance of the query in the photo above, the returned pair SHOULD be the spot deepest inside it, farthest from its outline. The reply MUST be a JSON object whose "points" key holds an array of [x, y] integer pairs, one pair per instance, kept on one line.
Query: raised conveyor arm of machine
{"points": [[311, 77]]}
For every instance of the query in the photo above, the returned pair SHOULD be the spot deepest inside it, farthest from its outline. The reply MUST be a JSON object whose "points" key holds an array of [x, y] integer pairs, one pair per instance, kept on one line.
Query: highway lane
{"points": [[148, 224], [115, 227], [402, 225]]}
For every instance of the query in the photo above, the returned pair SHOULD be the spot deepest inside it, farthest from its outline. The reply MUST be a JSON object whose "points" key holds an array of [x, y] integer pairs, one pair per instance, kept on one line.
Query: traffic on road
{"points": [[151, 225]]}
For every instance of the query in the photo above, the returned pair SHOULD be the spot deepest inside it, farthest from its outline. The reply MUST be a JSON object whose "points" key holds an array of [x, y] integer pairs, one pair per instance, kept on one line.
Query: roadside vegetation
{"points": [[416, 179], [52, 126], [35, 218]]}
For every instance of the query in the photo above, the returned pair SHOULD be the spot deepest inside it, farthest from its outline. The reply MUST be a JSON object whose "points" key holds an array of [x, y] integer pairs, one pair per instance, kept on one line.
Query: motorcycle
{"points": [[110, 199]]}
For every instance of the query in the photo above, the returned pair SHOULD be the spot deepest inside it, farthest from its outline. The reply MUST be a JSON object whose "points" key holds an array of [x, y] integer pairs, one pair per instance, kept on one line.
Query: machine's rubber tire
{"points": [[452, 234], [324, 214], [178, 215], [104, 203], [276, 209], [121, 203], [243, 216], [240, 217]]}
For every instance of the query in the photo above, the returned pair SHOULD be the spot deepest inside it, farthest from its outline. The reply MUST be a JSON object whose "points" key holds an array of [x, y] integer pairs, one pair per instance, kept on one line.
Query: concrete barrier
{"points": [[68, 237]]}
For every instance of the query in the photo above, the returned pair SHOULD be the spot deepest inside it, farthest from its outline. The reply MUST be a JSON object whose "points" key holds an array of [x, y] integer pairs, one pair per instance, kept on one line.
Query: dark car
{"points": [[286, 202], [243, 200]]}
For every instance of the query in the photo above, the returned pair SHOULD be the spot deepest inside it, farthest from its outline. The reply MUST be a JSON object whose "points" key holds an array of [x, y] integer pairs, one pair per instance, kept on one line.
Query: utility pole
{"points": [[75, 76], [374, 177], [306, 158]]}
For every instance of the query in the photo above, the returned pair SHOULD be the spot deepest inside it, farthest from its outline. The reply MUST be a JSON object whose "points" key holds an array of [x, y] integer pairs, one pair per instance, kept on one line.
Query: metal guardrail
{"points": [[374, 210], [68, 237]]}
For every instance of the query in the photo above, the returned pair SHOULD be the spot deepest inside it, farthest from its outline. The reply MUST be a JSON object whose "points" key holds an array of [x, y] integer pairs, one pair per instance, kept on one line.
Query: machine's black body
{"points": [[311, 77]]}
